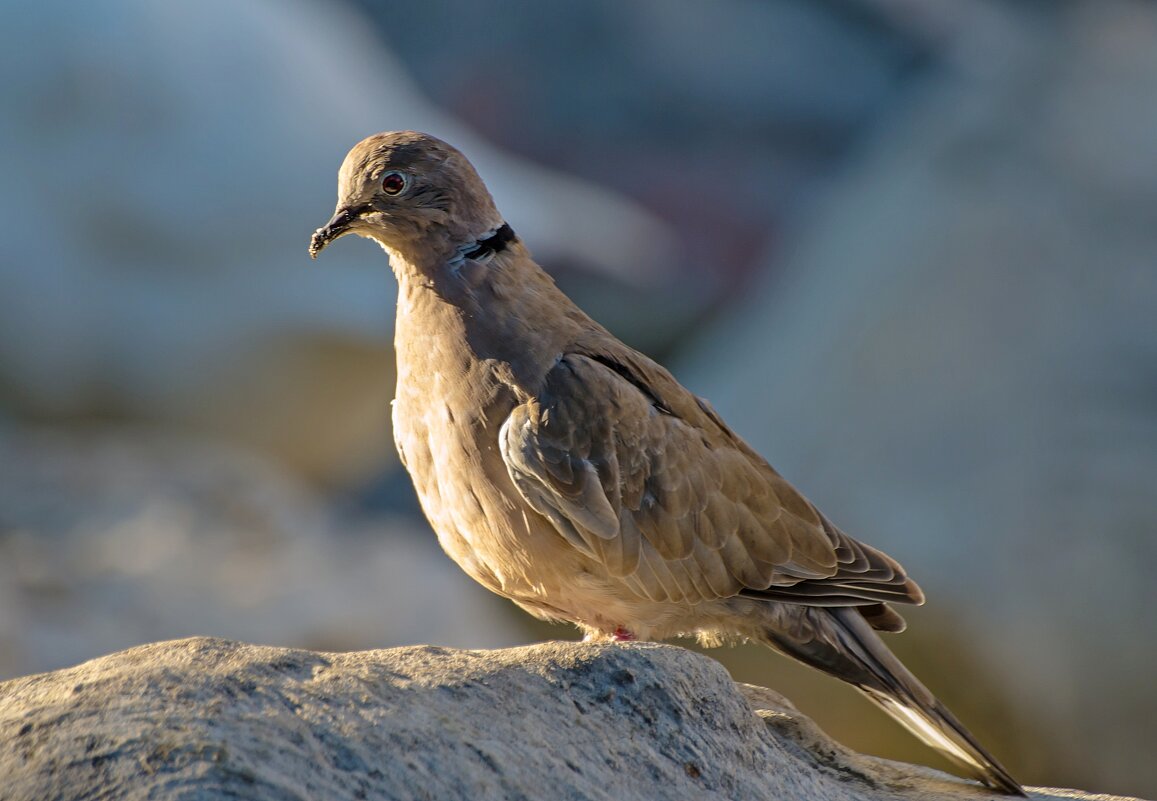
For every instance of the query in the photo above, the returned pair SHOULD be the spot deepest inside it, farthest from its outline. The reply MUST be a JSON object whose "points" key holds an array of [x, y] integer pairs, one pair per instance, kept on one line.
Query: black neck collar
{"points": [[495, 243]]}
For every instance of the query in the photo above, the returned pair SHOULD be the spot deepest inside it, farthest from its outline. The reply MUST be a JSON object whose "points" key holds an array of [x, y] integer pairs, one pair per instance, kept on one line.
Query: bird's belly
{"points": [[481, 521], [485, 525]]}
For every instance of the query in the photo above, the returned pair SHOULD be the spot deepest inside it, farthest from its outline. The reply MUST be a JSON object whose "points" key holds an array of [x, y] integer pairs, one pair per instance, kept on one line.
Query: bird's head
{"points": [[413, 194]]}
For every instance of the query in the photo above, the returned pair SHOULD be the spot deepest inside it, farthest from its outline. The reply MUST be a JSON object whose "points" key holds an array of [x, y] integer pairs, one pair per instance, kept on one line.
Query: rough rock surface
{"points": [[208, 718]]}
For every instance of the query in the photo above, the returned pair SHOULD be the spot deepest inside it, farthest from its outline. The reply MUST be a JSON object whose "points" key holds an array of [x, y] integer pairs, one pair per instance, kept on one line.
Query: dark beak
{"points": [[338, 225]]}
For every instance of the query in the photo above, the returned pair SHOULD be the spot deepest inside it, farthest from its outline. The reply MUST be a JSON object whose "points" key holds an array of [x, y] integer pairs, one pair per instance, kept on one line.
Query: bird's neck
{"points": [[501, 309], [490, 244]]}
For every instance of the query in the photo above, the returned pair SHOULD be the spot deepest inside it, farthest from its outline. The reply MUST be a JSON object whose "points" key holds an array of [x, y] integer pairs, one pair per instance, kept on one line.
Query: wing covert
{"points": [[680, 510]]}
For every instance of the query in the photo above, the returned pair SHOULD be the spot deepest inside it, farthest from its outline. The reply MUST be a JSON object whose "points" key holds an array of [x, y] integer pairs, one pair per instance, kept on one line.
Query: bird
{"points": [[575, 476]]}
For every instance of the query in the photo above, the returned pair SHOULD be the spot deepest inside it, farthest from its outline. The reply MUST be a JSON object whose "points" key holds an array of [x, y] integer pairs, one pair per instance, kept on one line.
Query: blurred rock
{"points": [[162, 174], [210, 718], [956, 362], [111, 540]]}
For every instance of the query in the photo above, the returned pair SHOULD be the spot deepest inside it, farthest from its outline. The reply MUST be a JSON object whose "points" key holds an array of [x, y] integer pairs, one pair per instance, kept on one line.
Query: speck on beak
{"points": [[338, 226]]}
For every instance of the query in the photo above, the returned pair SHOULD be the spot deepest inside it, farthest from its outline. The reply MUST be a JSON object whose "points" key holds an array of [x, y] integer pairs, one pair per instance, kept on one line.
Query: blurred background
{"points": [[908, 248]]}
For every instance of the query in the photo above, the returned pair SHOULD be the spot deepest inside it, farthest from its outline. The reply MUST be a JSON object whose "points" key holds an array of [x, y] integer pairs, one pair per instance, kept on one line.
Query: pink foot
{"points": [[622, 635]]}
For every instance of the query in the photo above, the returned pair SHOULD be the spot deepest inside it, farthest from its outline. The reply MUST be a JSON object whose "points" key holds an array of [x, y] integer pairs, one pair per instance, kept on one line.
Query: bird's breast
{"points": [[448, 410]]}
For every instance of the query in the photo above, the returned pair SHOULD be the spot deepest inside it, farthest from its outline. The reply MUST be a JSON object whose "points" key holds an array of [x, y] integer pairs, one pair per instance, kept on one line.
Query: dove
{"points": [[575, 476]]}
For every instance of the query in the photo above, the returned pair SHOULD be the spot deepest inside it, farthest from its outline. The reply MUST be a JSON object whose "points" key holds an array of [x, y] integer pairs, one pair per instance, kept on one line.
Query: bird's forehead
{"points": [[405, 152]]}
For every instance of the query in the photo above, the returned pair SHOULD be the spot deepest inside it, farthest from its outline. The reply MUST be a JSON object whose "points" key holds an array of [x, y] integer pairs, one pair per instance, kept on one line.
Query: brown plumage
{"points": [[575, 476]]}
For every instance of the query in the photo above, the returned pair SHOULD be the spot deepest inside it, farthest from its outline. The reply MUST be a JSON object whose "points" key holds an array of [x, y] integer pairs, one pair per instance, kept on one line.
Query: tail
{"points": [[842, 644]]}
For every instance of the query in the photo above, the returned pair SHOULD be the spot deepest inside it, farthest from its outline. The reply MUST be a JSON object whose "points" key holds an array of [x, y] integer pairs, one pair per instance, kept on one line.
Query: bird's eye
{"points": [[393, 183]]}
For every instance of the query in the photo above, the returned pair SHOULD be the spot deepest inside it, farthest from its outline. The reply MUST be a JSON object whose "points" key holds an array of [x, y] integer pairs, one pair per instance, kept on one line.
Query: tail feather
{"points": [[840, 642]]}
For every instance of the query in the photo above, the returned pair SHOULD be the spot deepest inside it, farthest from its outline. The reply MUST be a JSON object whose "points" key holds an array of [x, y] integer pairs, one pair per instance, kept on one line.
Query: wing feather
{"points": [[635, 472]]}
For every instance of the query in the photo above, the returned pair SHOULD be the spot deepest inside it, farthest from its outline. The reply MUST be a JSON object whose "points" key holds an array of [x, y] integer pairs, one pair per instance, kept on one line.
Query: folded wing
{"points": [[637, 473]]}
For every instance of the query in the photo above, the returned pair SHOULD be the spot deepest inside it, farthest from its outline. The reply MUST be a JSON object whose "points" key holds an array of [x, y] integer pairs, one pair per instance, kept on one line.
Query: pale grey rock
{"points": [[956, 363], [208, 719]]}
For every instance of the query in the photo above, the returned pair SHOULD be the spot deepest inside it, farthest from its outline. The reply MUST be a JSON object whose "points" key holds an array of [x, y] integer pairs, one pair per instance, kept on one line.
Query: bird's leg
{"points": [[620, 634]]}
